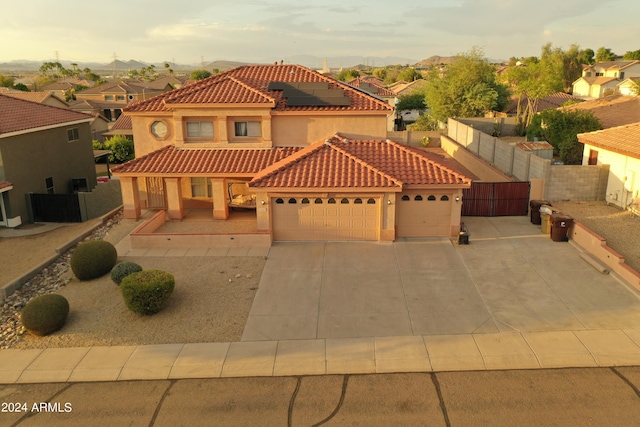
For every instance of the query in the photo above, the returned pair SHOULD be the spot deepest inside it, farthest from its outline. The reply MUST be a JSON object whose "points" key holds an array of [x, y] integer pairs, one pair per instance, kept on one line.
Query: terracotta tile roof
{"points": [[176, 161], [116, 87], [554, 100], [58, 86], [371, 87], [534, 146], [612, 111], [248, 84], [5, 184], [18, 115], [123, 123], [39, 97], [622, 139], [341, 163]]}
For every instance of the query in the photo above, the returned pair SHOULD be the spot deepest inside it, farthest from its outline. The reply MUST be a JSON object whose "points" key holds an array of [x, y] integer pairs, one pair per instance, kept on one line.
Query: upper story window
{"points": [[248, 129], [159, 129], [108, 97], [119, 97], [199, 129], [72, 134]]}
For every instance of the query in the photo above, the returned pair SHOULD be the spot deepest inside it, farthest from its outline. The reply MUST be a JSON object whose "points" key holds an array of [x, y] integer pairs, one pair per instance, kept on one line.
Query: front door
{"points": [[155, 193]]}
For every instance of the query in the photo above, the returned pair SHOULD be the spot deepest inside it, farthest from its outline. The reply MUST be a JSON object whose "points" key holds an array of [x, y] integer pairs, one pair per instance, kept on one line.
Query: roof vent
{"points": [[327, 142]]}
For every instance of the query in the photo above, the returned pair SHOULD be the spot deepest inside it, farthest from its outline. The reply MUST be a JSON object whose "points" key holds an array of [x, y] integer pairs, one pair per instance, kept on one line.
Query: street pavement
{"points": [[561, 397]]}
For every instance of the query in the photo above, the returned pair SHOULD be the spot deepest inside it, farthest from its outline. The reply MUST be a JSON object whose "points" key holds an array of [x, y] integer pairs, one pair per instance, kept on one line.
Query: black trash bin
{"points": [[534, 206], [560, 224]]}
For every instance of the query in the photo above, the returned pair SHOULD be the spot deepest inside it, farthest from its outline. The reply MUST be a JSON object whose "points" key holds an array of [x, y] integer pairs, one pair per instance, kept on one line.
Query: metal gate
{"points": [[55, 207], [155, 193], [496, 199]]}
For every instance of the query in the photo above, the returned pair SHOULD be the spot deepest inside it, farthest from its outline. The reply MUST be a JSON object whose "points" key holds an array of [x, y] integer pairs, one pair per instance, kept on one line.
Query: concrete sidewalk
{"points": [[526, 283]]}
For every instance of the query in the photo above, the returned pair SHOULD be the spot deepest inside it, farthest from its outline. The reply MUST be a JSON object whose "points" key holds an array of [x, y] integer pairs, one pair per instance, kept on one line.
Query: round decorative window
{"points": [[159, 129]]}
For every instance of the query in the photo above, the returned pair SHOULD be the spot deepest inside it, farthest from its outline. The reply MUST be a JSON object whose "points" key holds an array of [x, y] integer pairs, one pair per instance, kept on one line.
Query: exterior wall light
{"points": [[262, 202], [388, 202], [457, 199]]}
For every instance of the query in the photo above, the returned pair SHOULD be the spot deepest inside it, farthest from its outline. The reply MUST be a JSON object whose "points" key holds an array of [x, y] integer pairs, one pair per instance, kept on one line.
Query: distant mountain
{"points": [[120, 65], [435, 60], [335, 62]]}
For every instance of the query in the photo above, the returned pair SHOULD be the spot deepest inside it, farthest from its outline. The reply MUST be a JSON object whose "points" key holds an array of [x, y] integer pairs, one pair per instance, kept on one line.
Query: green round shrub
{"points": [[45, 314], [122, 270], [93, 259], [148, 291]]}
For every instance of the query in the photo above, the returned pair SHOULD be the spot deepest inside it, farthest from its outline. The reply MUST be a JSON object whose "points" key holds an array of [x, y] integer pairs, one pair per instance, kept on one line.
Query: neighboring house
{"points": [[619, 148], [61, 89], [554, 100], [603, 77], [122, 126], [371, 86], [612, 111], [111, 98], [407, 88], [270, 132], [42, 150], [46, 98], [629, 86]]}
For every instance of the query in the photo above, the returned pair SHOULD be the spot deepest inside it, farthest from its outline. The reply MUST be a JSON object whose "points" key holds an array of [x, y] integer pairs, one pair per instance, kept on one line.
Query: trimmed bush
{"points": [[122, 270], [45, 314], [148, 291], [93, 259]]}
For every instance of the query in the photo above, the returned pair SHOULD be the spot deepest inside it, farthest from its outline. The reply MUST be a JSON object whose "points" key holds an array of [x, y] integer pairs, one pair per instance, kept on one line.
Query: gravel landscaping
{"points": [[210, 303], [620, 228]]}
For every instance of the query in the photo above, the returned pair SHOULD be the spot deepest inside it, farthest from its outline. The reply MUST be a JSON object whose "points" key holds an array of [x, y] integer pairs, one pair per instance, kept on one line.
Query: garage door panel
{"points": [[325, 221], [424, 218]]}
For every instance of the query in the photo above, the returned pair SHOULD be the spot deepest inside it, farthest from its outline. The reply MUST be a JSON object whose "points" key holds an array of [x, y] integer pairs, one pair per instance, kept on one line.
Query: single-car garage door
{"points": [[421, 214], [310, 218]]}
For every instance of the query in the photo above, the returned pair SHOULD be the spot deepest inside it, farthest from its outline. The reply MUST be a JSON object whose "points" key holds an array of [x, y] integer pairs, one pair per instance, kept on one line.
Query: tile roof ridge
{"points": [[288, 161], [358, 159], [34, 103], [251, 88], [599, 131]]}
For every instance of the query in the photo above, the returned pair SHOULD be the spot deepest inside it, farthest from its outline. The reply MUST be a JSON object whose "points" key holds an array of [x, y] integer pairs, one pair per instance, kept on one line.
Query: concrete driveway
{"points": [[510, 278]]}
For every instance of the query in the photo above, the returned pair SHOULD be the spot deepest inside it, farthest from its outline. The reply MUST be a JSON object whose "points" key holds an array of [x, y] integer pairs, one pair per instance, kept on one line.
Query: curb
{"points": [[16, 284]]}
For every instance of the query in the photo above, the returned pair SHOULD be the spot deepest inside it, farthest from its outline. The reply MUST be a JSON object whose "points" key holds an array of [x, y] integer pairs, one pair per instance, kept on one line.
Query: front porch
{"points": [[197, 229]]}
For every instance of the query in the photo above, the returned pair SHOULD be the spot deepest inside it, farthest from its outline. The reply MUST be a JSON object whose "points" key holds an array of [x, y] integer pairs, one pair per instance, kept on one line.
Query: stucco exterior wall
{"points": [[299, 130], [29, 159], [623, 183]]}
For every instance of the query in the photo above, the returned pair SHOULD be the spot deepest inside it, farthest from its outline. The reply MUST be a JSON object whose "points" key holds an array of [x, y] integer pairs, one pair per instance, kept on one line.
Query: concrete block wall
{"points": [[105, 197], [503, 158], [414, 138], [538, 167], [506, 125], [568, 182], [521, 165], [487, 145]]}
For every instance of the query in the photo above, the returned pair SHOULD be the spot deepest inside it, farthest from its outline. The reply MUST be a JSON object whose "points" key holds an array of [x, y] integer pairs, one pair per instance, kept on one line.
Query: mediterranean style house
{"points": [[306, 152], [603, 78]]}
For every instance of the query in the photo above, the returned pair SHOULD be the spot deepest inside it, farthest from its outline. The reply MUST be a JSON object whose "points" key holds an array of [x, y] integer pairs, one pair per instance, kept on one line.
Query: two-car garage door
{"points": [[311, 218]]}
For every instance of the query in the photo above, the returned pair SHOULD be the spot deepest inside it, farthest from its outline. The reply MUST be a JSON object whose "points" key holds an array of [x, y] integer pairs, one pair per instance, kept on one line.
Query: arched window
{"points": [[292, 201], [418, 198], [431, 198], [305, 201], [344, 201], [406, 198], [444, 198], [318, 201], [371, 201], [279, 201], [331, 201], [357, 201]]}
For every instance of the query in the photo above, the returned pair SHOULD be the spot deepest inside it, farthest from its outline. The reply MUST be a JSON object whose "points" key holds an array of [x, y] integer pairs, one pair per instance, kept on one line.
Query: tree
{"points": [[21, 86], [631, 55], [425, 122], [414, 101], [122, 148], [346, 75], [560, 128], [604, 54], [587, 57], [468, 88], [6, 81], [199, 74], [409, 75]]}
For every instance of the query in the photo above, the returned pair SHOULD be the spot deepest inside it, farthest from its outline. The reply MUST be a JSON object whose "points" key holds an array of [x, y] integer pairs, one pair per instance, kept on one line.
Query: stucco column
{"points": [[175, 207], [220, 198], [223, 133], [266, 130], [130, 197], [263, 212], [388, 217]]}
